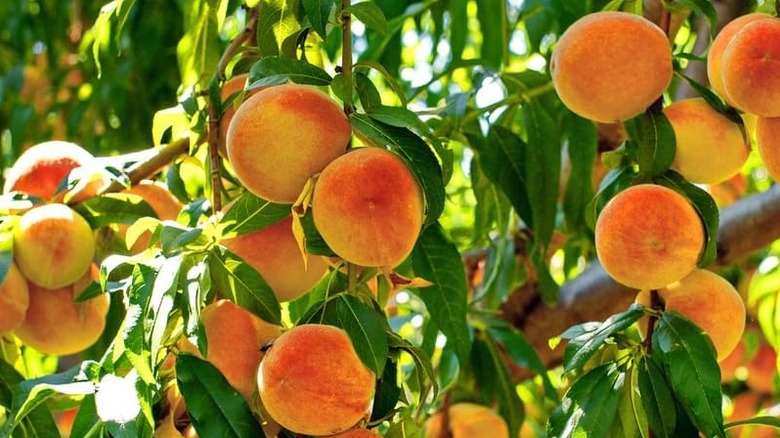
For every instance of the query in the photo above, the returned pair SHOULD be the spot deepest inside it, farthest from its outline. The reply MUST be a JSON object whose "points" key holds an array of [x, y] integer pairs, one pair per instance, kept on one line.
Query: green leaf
{"points": [[387, 392], [589, 406], [275, 22], [245, 286], [436, 259], [369, 14], [761, 420], [250, 213], [522, 353], [426, 377], [458, 10], [198, 51], [688, 356], [493, 25], [651, 144], [614, 182], [417, 153], [134, 330], [216, 409], [496, 376], [542, 169], [704, 8], [365, 326], [341, 88], [275, 70], [583, 346], [656, 398], [87, 424], [318, 12], [367, 92], [114, 208], [582, 147], [704, 205], [628, 423]]}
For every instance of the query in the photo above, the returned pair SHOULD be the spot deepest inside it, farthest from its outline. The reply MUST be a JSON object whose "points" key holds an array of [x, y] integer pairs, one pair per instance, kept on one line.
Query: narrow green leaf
{"points": [[426, 378], [493, 25], [387, 392], [365, 326], [275, 22], [540, 20], [651, 144], [250, 213], [276, 70], [589, 406], [369, 14], [436, 259], [626, 423], [509, 404], [87, 424], [417, 153], [548, 287], [656, 398], [458, 10], [367, 92], [114, 208], [582, 146], [761, 420], [216, 409], [522, 353], [614, 182], [688, 356], [582, 347], [705, 8], [318, 12], [245, 286]]}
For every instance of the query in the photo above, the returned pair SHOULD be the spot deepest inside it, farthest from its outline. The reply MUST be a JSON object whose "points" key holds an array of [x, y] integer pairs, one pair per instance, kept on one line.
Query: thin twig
{"points": [[346, 55]]}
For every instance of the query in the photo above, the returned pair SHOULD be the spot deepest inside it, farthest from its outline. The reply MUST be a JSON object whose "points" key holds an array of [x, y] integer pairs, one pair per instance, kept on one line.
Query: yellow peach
{"points": [[468, 420], [162, 201], [14, 299], [41, 169], [768, 141], [233, 85]]}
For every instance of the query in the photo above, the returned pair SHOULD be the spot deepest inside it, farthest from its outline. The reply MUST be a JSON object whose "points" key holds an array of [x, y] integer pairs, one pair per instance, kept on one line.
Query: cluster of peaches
{"points": [[612, 66], [53, 251]]}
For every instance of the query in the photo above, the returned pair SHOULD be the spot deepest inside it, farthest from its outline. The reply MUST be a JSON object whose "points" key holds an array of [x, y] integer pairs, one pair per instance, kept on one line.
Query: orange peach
{"points": [[751, 68], [768, 141], [648, 236], [718, 46], [14, 299], [747, 405], [357, 433], [282, 136], [41, 169], [312, 381], [762, 369], [710, 147], [53, 246], [729, 366], [368, 207], [162, 201], [468, 420], [56, 324], [273, 252], [711, 303], [611, 66], [232, 86]]}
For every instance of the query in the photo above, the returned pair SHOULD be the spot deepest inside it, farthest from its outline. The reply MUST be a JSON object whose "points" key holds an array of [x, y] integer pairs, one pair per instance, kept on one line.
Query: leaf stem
{"points": [[346, 55]]}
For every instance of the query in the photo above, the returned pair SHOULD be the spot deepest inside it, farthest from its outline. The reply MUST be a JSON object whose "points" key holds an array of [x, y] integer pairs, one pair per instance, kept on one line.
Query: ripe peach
{"points": [[283, 135], [14, 299], [312, 381], [747, 405], [751, 66], [233, 85], [41, 168], [234, 339], [273, 252], [357, 433], [56, 324], [611, 66], [730, 364], [710, 147], [163, 202], [368, 207], [718, 46], [468, 420], [648, 236], [768, 140], [762, 369], [709, 301], [53, 246]]}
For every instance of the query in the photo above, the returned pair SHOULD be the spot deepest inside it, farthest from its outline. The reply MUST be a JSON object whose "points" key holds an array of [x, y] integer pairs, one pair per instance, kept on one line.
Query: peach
{"points": [[718, 46], [14, 299], [762, 369], [648, 236], [468, 420], [710, 147], [768, 141], [312, 381], [273, 252], [751, 68], [162, 201], [611, 66], [747, 405], [368, 207], [711, 303], [233, 85], [357, 433], [730, 365], [55, 324], [41, 169], [282, 136], [234, 339], [53, 246]]}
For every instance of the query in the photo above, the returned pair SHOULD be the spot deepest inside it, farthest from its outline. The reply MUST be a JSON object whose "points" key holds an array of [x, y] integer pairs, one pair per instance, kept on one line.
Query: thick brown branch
{"points": [[746, 226]]}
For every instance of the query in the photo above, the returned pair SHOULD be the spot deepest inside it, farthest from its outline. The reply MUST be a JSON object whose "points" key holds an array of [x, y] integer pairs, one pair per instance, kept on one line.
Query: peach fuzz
{"points": [[751, 68], [274, 253], [648, 236], [718, 46], [710, 148], [768, 141], [56, 324], [357, 433], [282, 136], [41, 168], [14, 299], [468, 420], [53, 246], [312, 382], [368, 207], [234, 339], [711, 303], [611, 66]]}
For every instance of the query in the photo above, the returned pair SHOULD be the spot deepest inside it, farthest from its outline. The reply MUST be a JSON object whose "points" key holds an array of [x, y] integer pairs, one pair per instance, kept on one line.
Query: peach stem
{"points": [[346, 56]]}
